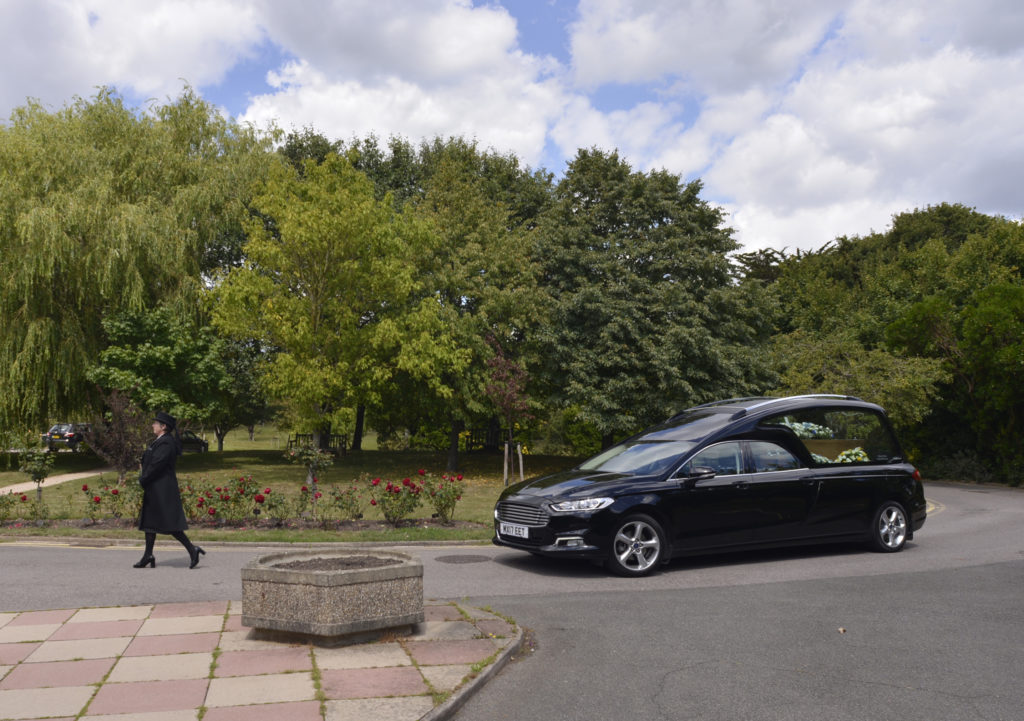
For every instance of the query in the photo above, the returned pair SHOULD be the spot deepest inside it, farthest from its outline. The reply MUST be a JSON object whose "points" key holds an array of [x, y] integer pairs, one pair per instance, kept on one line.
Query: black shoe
{"points": [[146, 561], [195, 553]]}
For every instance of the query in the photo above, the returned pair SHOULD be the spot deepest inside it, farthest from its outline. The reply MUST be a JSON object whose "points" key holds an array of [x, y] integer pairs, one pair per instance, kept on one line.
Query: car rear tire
{"points": [[638, 546], [889, 528]]}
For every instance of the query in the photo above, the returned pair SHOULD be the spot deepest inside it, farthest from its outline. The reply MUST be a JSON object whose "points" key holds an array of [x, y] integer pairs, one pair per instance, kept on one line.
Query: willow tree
{"points": [[326, 280], [103, 209]]}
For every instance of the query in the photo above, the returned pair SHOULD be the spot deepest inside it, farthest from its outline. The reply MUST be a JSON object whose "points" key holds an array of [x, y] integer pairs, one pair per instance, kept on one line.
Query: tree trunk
{"points": [[453, 445], [322, 436], [220, 433], [357, 434], [252, 432]]}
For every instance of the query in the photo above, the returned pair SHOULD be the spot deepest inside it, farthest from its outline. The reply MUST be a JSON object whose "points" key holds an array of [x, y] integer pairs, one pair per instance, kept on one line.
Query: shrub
{"points": [[444, 494], [395, 500], [348, 501]]}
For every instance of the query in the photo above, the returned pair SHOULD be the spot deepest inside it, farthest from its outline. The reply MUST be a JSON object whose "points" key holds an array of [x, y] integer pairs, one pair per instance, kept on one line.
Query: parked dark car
{"points": [[67, 435], [726, 476], [191, 443]]}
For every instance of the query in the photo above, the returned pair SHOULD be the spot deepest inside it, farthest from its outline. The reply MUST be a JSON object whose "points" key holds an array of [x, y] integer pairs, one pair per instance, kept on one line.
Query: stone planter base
{"points": [[327, 597]]}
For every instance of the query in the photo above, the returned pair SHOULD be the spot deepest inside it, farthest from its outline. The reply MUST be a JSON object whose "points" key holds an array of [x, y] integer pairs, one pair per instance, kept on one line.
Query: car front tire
{"points": [[889, 528], [638, 546]]}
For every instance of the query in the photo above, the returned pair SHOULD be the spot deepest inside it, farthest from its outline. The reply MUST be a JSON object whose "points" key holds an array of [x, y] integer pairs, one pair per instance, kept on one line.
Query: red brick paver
{"points": [[146, 696], [369, 682], [57, 673]]}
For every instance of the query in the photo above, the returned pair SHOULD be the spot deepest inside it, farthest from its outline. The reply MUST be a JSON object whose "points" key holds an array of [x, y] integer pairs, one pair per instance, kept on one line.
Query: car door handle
{"points": [[742, 485], [809, 481]]}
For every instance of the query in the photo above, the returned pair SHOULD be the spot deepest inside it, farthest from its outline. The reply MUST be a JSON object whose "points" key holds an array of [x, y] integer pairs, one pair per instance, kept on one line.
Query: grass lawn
{"points": [[482, 474]]}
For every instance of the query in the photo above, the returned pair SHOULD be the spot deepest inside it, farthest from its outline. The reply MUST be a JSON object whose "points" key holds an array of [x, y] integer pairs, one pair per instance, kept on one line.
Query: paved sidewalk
{"points": [[30, 486], [165, 662]]}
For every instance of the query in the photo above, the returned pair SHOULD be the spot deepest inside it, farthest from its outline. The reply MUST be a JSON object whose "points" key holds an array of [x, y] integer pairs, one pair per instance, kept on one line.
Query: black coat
{"points": [[161, 500]]}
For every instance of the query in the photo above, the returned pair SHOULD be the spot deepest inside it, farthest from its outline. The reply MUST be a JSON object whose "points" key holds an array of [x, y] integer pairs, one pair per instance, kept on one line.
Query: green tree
{"points": [[164, 362], [320, 285], [106, 209], [642, 316]]}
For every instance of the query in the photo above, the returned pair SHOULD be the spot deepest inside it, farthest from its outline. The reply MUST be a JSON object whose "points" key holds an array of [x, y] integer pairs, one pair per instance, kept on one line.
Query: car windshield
{"points": [[639, 458]]}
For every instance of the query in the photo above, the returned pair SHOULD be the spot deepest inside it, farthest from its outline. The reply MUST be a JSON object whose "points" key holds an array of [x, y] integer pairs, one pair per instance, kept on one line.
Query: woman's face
{"points": [[159, 428]]}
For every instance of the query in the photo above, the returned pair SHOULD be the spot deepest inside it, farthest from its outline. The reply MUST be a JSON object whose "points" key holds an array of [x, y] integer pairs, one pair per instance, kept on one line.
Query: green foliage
{"points": [[104, 209], [443, 494], [319, 285], [37, 463], [163, 362], [925, 319], [642, 316], [395, 500]]}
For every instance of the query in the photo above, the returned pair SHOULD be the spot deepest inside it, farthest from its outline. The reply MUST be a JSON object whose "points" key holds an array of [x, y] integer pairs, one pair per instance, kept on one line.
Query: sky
{"points": [[805, 120]]}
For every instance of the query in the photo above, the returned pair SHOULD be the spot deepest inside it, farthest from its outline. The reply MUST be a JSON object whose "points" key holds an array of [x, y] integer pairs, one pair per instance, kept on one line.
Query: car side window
{"points": [[725, 459], [768, 457], [840, 435]]}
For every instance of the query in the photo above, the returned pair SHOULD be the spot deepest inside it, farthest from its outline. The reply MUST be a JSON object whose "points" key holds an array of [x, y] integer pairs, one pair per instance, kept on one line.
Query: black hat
{"points": [[166, 419]]}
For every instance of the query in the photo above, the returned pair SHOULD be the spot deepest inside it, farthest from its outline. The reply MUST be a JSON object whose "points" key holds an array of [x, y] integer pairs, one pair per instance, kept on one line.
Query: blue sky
{"points": [[804, 119]]}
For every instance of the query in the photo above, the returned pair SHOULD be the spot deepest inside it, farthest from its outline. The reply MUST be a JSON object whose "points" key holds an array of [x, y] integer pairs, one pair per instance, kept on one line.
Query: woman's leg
{"points": [[147, 556], [194, 552]]}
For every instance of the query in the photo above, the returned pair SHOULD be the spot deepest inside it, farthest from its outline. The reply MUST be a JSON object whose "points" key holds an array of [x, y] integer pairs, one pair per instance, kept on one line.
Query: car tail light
{"points": [[916, 475]]}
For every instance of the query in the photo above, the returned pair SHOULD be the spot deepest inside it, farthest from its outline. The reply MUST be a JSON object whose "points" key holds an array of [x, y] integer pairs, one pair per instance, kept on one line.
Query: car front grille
{"points": [[523, 514]]}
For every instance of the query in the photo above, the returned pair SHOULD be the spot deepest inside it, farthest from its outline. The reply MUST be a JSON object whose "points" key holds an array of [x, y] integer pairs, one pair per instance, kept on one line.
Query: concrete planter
{"points": [[335, 597]]}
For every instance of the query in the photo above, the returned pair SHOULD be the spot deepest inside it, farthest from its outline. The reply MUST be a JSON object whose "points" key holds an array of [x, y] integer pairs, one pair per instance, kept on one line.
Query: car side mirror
{"points": [[691, 475]]}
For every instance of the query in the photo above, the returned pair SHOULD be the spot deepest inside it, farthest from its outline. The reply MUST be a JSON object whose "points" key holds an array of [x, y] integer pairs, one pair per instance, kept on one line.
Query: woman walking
{"points": [[162, 511]]}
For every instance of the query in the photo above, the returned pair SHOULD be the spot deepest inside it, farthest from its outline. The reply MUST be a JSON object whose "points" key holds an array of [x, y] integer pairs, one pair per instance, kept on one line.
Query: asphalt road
{"points": [[934, 632]]}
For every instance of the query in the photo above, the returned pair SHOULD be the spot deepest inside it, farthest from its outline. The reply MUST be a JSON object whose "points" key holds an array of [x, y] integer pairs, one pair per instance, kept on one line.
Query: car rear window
{"points": [[840, 435]]}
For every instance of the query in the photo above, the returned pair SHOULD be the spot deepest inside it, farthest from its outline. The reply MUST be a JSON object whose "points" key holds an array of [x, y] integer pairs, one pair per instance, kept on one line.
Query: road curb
{"points": [[457, 700]]}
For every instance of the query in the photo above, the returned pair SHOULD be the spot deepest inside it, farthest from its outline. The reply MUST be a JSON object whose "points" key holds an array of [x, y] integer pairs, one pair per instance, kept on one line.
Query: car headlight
{"points": [[585, 504]]}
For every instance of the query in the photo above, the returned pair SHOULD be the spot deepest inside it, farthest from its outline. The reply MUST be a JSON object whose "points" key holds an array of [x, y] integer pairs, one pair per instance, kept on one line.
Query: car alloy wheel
{"points": [[637, 546], [890, 528]]}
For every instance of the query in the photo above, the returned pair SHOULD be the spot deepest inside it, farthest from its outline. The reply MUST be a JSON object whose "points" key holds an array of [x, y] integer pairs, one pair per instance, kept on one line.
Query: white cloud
{"points": [[63, 48]]}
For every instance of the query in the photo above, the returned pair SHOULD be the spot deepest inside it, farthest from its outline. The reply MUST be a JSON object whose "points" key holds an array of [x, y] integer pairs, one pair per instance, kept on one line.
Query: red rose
{"points": [[199, 502], [422, 472], [85, 487], [212, 511], [260, 498], [373, 501], [114, 492], [96, 499], [315, 479], [218, 489], [24, 498], [405, 481], [267, 491], [458, 477], [375, 482], [317, 494], [305, 490]]}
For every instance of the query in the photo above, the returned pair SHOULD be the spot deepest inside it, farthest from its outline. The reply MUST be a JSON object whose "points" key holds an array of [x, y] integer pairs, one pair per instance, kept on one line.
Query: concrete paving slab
{"points": [[42, 702], [181, 715], [170, 626], [411, 708], [235, 608], [82, 649], [446, 653], [234, 623], [6, 618], [20, 634], [4, 670], [251, 690], [37, 618], [164, 645], [201, 608], [117, 613], [449, 630], [372, 682], [445, 612], [161, 668], [292, 711], [11, 653], [99, 629], [446, 678], [254, 663], [247, 641], [496, 628], [57, 673], [148, 696], [373, 655]]}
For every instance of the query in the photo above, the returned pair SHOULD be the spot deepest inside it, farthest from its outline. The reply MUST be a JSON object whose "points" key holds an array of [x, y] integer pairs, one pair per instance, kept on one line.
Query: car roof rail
{"points": [[833, 396], [727, 402]]}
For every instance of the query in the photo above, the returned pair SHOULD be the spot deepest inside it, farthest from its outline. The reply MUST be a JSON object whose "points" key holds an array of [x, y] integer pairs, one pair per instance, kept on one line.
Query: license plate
{"points": [[511, 529]]}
